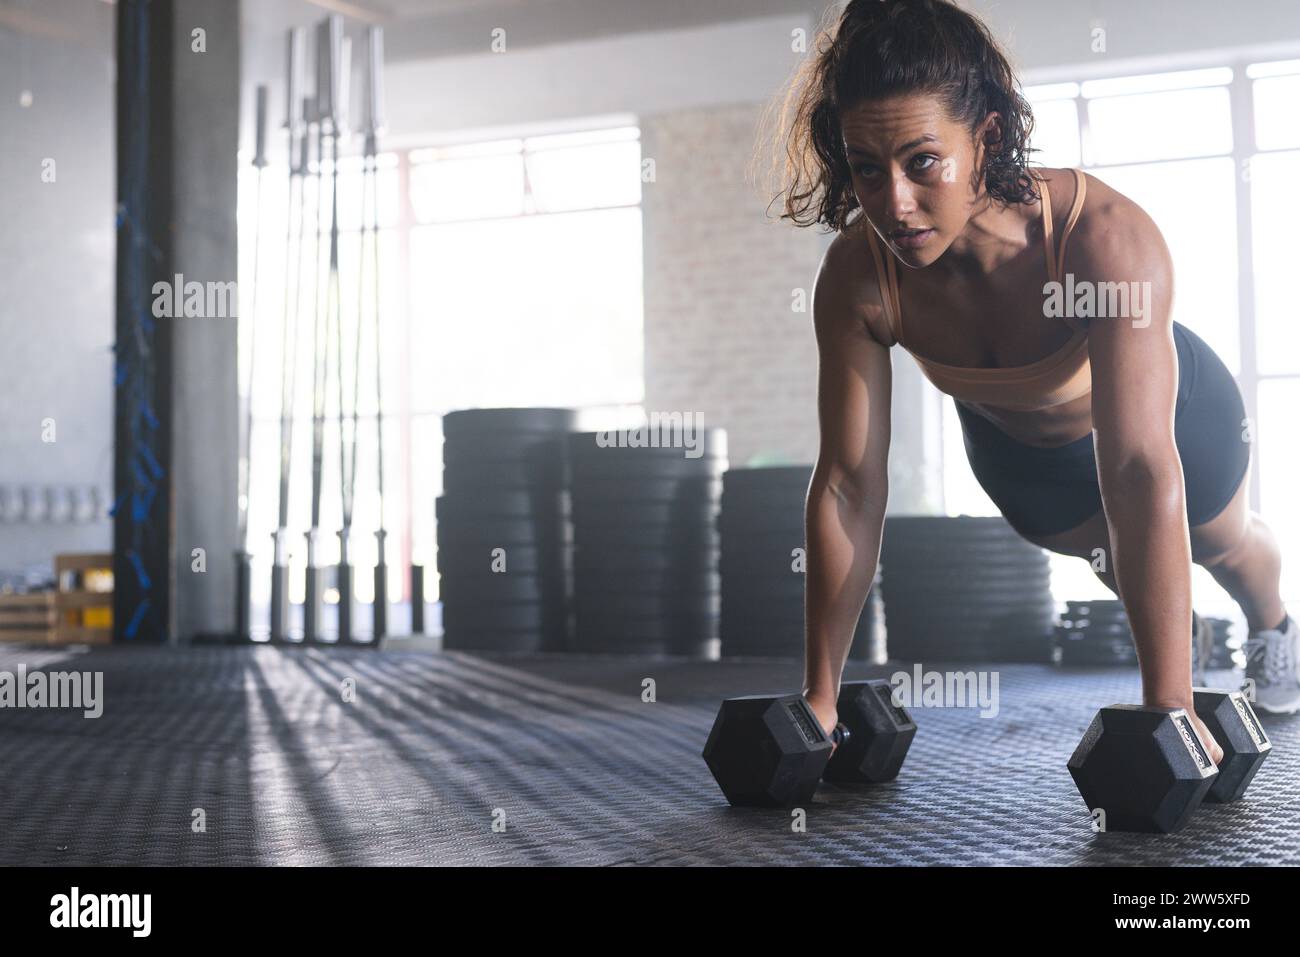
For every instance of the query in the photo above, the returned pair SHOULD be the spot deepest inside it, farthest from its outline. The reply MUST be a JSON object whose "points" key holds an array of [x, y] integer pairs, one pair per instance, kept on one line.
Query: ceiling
{"points": [[432, 28]]}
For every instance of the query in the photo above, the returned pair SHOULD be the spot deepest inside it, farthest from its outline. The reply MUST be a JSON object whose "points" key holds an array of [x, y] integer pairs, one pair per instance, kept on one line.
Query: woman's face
{"points": [[912, 172]]}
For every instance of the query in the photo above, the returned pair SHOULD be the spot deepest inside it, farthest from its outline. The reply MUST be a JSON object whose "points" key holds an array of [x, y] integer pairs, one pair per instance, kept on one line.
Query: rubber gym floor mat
{"points": [[222, 756]]}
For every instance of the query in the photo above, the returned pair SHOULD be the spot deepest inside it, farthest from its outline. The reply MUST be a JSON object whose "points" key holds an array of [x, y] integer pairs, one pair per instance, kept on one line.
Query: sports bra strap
{"points": [[885, 266], [1056, 257], [889, 288]]}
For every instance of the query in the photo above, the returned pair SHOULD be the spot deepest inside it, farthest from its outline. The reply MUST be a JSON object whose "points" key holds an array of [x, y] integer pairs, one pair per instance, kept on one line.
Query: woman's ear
{"points": [[988, 139]]}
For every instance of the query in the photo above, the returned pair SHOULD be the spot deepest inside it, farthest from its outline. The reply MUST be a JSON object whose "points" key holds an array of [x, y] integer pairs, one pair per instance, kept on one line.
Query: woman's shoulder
{"points": [[848, 274], [1111, 227]]}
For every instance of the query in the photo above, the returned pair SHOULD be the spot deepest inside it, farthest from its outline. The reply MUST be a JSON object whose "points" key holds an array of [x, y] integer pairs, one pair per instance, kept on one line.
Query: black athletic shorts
{"points": [[1045, 491]]}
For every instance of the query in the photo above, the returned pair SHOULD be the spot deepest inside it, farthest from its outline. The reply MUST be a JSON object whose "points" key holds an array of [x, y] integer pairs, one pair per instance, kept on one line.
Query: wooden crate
{"points": [[84, 601], [28, 617]]}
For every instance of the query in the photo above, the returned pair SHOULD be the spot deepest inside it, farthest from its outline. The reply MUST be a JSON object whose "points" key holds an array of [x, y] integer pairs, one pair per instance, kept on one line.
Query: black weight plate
{"points": [[947, 524], [474, 541], [610, 591], [1095, 632], [621, 470], [527, 586], [547, 476], [688, 578], [479, 559], [768, 647], [516, 614], [1109, 620], [745, 585], [779, 476], [759, 628], [522, 641], [505, 503], [991, 643], [774, 495], [993, 555], [649, 627], [762, 509], [1108, 615], [590, 578], [969, 579], [975, 656], [1100, 606], [683, 540], [902, 622], [587, 512], [747, 535], [545, 457], [610, 494], [976, 635], [942, 571], [702, 561], [743, 531], [501, 588], [1068, 654], [758, 568], [454, 510], [599, 643], [646, 606], [477, 421], [770, 551], [594, 483], [592, 634], [945, 567], [984, 602]]}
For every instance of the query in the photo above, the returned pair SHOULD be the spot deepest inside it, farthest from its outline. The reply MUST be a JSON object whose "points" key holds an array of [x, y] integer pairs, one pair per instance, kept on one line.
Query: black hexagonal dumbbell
{"points": [[880, 732], [767, 751], [1232, 721], [1144, 767]]}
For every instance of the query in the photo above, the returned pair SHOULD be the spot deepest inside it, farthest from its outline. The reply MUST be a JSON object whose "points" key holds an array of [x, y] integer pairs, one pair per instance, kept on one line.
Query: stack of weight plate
{"points": [[1226, 650], [646, 545], [504, 535], [965, 589], [762, 524], [1095, 634]]}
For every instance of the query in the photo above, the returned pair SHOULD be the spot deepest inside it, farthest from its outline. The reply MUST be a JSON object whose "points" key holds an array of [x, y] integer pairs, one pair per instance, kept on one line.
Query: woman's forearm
{"points": [[842, 530], [1153, 566]]}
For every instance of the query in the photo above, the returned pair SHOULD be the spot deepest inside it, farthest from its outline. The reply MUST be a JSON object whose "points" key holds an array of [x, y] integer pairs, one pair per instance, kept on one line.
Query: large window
{"points": [[1214, 156], [510, 274]]}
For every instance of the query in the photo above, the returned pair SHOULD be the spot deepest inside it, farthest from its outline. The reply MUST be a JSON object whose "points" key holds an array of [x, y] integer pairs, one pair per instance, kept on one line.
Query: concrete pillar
{"points": [[176, 390]]}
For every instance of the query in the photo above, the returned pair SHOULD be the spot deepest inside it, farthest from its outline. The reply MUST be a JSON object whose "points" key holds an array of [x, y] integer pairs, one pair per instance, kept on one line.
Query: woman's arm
{"points": [[1134, 389], [845, 509]]}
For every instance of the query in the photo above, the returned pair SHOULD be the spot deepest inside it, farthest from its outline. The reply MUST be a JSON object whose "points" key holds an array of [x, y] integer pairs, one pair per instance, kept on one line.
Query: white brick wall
{"points": [[721, 338]]}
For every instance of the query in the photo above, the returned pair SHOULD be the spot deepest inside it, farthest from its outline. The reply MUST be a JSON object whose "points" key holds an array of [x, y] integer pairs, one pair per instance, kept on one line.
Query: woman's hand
{"points": [[1211, 746], [1207, 740]]}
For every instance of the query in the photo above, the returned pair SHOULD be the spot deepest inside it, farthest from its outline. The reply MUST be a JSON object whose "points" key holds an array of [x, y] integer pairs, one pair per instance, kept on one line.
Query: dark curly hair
{"points": [[885, 47]]}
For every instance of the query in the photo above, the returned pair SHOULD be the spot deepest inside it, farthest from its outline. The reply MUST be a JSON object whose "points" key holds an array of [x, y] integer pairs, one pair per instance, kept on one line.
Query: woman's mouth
{"points": [[911, 238]]}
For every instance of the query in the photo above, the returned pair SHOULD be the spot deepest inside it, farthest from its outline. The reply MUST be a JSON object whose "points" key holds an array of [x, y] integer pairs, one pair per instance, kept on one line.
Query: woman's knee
{"points": [[1228, 536]]}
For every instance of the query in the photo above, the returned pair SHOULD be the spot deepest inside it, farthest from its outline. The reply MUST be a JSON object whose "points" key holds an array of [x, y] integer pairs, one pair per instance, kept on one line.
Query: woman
{"points": [[1119, 431]]}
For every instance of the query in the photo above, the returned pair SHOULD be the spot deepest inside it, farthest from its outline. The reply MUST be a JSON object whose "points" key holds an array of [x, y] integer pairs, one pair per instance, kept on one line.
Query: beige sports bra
{"points": [[1062, 377]]}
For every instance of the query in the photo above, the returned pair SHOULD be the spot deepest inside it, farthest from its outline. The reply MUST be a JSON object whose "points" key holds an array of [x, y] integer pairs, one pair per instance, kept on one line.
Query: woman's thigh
{"points": [[1211, 541]]}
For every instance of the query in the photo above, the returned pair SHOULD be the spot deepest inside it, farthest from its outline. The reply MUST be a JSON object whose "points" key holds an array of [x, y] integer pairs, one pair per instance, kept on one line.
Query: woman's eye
{"points": [[928, 160]]}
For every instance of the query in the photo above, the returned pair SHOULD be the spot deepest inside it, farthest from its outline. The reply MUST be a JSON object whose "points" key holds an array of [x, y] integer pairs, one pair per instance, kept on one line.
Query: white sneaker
{"points": [[1273, 665]]}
